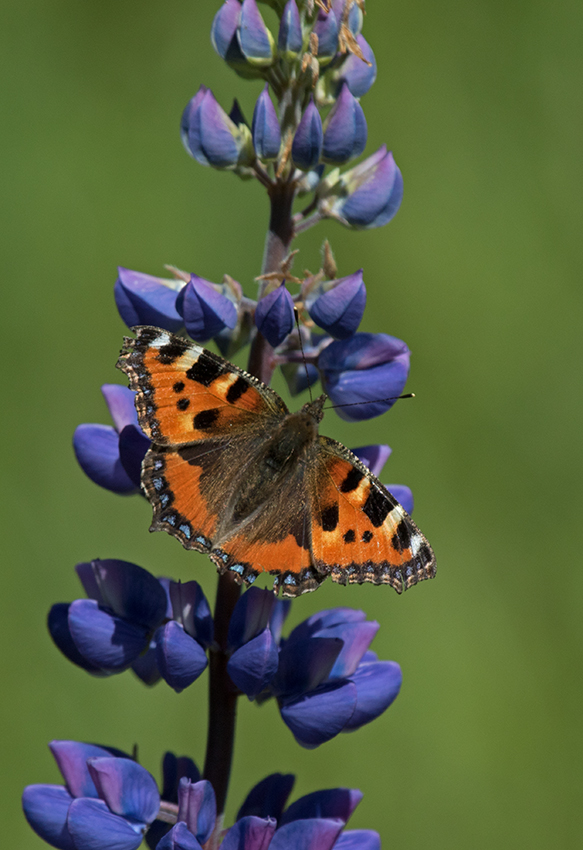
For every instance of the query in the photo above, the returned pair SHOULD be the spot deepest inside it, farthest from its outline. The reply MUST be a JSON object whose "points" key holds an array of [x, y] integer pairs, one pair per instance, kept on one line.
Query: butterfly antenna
{"points": [[297, 317], [372, 401]]}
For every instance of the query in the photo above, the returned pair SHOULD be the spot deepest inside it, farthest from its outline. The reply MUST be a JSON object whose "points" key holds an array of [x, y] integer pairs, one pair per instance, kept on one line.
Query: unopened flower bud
{"points": [[345, 130]]}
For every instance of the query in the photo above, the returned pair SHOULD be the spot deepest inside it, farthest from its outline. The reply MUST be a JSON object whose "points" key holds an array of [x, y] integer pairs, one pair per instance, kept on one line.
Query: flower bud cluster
{"points": [[110, 801], [317, 65]]}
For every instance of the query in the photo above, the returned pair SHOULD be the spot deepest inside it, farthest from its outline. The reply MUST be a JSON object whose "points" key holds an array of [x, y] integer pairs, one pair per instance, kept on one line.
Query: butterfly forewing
{"points": [[360, 533]]}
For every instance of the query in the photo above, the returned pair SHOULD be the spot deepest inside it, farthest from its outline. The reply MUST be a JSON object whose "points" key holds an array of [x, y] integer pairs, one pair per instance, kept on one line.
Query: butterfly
{"points": [[232, 473]]}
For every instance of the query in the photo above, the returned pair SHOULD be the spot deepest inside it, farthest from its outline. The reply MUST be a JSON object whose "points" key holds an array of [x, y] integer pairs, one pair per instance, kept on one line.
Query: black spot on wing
{"points": [[401, 539], [352, 480], [206, 419], [349, 536], [178, 386], [329, 518], [172, 350], [367, 536], [378, 506], [206, 370], [237, 389], [183, 403]]}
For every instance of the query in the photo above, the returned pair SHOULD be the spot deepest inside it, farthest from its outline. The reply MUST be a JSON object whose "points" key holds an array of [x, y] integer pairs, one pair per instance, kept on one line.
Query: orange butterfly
{"points": [[231, 472]]}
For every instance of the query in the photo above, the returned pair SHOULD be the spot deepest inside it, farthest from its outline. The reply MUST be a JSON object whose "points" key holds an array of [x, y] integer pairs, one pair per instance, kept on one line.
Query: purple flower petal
{"points": [[267, 799], [356, 638], [308, 138], [253, 665], [129, 590], [251, 833], [94, 827], [338, 803], [319, 716], [358, 75], [121, 405], [181, 659], [339, 311], [265, 127], [403, 495], [255, 40], [224, 30], [374, 456], [179, 838], [191, 609], [370, 197], [325, 619], [312, 834], [345, 133], [211, 137], [280, 611], [45, 808], [290, 40], [127, 788], [71, 757], [274, 315], [206, 312], [359, 839], [327, 29], [146, 666], [377, 685], [97, 451], [105, 641], [251, 615], [173, 770], [143, 299], [197, 807], [304, 664], [133, 445], [58, 625]]}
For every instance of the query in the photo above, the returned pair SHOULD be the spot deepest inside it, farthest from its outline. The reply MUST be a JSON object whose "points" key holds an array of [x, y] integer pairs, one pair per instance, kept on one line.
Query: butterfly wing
{"points": [[206, 418], [360, 533]]}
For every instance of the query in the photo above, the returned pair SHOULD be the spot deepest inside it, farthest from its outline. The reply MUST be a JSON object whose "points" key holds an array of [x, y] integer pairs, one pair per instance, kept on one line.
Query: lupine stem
{"points": [[222, 693]]}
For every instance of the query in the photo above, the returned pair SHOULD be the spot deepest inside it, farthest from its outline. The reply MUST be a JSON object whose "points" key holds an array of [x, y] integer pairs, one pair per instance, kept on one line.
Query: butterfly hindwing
{"points": [[360, 533], [186, 393]]}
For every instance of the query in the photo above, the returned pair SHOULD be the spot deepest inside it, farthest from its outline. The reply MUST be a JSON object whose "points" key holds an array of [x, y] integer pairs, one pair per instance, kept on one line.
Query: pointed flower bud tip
{"points": [[345, 132], [205, 311], [308, 138], [265, 127], [274, 315]]}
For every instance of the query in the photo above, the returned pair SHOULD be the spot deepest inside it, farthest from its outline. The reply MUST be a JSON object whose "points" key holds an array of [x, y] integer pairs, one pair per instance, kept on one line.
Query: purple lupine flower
{"points": [[328, 681], [339, 309], [265, 127], [112, 456], [254, 657], [206, 311], [367, 195], [367, 372], [108, 800], [308, 138], [375, 457], [255, 40], [274, 315], [327, 28], [173, 770], [224, 31], [211, 137], [143, 299], [345, 130], [289, 39], [181, 643], [358, 75], [112, 628]]}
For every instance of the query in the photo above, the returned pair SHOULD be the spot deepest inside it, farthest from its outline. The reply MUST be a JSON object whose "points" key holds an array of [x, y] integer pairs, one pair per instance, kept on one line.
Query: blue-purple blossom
{"points": [[112, 456], [367, 195], [224, 31], [205, 311], [265, 127], [255, 40], [340, 308], [308, 138], [327, 28], [143, 299], [107, 801], [181, 643], [328, 681], [274, 315], [367, 372], [211, 136], [359, 75], [289, 39], [254, 655], [173, 770], [345, 130]]}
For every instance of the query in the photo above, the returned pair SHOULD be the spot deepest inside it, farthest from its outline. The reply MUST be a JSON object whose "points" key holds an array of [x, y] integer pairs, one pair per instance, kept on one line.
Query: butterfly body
{"points": [[232, 473]]}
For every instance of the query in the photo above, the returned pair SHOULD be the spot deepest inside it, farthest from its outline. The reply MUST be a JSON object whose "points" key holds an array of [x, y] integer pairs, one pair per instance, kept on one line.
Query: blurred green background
{"points": [[479, 273]]}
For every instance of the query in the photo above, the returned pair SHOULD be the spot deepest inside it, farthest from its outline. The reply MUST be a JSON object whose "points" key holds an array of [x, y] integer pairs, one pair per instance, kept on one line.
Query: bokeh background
{"points": [[479, 273]]}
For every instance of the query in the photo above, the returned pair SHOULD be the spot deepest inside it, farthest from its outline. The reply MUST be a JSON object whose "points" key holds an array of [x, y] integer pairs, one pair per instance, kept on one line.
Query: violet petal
{"points": [[181, 659], [97, 451]]}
